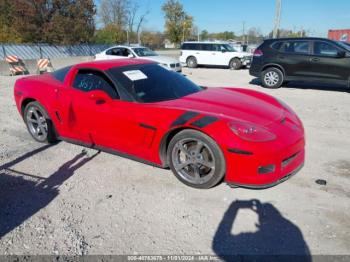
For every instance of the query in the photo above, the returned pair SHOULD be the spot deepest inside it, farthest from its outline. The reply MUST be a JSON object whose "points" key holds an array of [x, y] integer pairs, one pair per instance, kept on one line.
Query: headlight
{"points": [[251, 132], [285, 106], [294, 116]]}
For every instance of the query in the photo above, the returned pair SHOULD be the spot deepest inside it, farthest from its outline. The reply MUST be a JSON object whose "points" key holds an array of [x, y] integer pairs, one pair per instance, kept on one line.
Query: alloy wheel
{"points": [[37, 123], [271, 78], [193, 160]]}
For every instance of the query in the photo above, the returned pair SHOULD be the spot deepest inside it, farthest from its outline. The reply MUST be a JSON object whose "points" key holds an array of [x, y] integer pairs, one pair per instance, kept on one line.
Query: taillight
{"points": [[258, 53]]}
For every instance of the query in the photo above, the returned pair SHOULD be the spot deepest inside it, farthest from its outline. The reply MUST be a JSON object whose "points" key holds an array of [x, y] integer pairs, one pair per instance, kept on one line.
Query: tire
{"points": [[196, 160], [191, 62], [235, 64], [39, 123], [272, 78]]}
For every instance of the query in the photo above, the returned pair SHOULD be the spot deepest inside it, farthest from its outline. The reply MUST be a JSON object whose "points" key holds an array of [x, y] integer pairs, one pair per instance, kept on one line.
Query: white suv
{"points": [[120, 52], [214, 54]]}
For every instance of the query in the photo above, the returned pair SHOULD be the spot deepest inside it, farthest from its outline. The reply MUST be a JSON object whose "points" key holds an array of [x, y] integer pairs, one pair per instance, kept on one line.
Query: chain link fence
{"points": [[36, 51]]}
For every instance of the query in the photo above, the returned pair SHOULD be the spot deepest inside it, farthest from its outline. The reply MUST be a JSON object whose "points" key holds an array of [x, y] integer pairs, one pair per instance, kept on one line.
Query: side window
{"points": [[195, 47], [207, 47], [216, 48], [115, 51], [186, 47], [276, 45], [125, 52], [89, 80], [297, 47], [326, 49]]}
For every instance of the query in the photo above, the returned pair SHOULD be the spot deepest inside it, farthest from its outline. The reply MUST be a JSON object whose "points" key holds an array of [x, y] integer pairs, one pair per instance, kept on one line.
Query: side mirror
{"points": [[223, 51], [99, 96], [341, 54], [130, 56]]}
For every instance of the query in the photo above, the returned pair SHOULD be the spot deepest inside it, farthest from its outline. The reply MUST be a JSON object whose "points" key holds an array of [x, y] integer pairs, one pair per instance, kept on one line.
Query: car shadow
{"points": [[22, 195], [275, 239], [307, 85]]}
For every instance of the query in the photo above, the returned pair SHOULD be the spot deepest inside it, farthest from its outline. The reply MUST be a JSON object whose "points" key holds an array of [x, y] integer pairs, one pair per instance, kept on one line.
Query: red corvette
{"points": [[138, 109]]}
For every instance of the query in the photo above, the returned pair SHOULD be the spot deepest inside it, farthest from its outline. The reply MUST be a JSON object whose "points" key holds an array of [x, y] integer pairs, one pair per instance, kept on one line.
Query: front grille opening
{"points": [[266, 169], [288, 160]]}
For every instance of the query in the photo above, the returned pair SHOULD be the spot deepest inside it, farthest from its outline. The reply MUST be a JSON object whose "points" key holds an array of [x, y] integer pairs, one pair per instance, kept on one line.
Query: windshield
{"points": [[150, 83], [144, 52], [345, 45]]}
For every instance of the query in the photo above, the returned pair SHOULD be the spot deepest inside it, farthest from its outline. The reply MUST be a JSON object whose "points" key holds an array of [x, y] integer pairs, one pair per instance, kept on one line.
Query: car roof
{"points": [[127, 46], [298, 38], [205, 42], [108, 64]]}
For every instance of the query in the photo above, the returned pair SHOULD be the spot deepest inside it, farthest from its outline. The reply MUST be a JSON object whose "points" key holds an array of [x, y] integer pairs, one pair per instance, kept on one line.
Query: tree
{"points": [[124, 17], [107, 35], [178, 24], [152, 39], [8, 32], [204, 35], [254, 35], [71, 21], [50, 21], [283, 33]]}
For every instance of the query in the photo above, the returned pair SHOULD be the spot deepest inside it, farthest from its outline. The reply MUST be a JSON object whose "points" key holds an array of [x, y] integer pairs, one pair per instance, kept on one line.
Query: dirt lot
{"points": [[58, 200]]}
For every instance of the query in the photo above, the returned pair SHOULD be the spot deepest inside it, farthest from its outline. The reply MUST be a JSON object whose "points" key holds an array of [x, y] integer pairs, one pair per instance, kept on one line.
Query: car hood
{"points": [[232, 104], [161, 59]]}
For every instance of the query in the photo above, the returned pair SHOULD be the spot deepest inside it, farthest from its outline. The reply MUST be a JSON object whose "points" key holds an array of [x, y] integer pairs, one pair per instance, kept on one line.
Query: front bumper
{"points": [[265, 186], [244, 169], [246, 62]]}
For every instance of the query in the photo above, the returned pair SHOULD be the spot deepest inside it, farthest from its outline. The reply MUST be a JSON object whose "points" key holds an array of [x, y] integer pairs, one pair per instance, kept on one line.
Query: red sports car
{"points": [[140, 110]]}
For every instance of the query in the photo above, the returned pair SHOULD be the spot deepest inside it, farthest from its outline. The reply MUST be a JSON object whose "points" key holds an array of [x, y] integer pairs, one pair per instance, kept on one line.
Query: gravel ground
{"points": [[62, 200]]}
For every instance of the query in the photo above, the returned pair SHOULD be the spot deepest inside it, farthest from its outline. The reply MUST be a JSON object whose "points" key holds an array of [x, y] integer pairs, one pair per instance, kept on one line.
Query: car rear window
{"points": [[60, 74]]}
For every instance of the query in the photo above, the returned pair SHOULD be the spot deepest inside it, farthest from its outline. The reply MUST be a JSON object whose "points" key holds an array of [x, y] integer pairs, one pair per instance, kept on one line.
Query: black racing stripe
{"points": [[204, 121], [181, 120], [239, 151]]}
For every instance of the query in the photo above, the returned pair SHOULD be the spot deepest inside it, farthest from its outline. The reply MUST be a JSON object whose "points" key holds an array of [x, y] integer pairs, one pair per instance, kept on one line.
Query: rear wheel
{"points": [[196, 160], [235, 64], [192, 62], [39, 124], [272, 78]]}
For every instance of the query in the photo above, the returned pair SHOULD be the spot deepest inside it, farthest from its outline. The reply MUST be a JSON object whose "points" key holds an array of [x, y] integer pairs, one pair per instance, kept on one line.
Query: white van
{"points": [[213, 54]]}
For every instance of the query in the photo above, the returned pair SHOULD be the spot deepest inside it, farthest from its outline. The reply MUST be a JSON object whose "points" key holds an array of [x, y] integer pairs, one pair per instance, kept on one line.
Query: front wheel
{"points": [[196, 160], [272, 78], [235, 64], [39, 124]]}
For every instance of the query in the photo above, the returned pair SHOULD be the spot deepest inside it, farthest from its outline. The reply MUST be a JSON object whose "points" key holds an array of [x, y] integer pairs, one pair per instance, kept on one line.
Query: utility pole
{"points": [[243, 31], [277, 18]]}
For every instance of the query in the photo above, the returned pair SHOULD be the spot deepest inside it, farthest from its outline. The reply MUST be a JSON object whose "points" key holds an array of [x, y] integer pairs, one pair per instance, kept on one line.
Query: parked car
{"points": [[304, 59], [213, 54], [122, 52], [139, 109]]}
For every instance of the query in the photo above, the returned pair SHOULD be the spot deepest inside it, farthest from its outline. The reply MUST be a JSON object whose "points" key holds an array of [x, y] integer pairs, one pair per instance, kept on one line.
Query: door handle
{"points": [[281, 57], [314, 59]]}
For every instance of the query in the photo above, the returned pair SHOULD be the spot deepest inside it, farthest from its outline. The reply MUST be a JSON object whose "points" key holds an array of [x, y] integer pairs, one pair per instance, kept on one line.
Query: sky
{"points": [[315, 16]]}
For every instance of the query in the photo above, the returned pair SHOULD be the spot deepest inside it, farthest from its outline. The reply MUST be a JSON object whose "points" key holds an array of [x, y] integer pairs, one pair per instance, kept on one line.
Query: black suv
{"points": [[277, 61]]}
